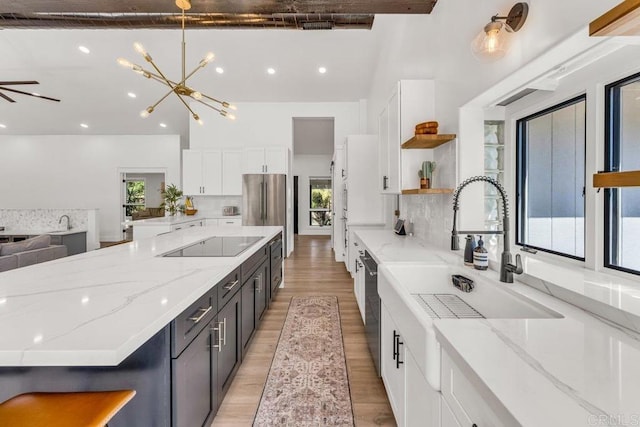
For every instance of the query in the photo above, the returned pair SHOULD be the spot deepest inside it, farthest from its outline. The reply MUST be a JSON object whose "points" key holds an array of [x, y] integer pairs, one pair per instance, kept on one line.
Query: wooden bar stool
{"points": [[73, 409]]}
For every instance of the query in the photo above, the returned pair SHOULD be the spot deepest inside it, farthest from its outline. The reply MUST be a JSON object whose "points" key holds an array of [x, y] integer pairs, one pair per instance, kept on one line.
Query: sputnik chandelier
{"points": [[180, 89]]}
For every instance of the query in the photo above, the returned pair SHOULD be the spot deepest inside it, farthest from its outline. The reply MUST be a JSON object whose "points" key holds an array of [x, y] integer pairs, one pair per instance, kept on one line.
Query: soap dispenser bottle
{"points": [[468, 249], [480, 256]]}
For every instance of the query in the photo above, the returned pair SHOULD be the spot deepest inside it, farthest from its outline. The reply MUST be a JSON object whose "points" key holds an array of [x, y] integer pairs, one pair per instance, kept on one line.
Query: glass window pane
{"points": [[320, 201], [551, 156], [623, 154]]}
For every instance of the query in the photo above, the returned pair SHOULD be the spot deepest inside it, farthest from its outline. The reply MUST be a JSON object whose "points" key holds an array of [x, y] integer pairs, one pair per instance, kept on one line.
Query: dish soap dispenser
{"points": [[480, 256], [468, 249]]}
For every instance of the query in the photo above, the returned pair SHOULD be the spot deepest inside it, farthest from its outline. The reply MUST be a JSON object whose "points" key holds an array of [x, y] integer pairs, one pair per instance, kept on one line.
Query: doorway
{"points": [[141, 198]]}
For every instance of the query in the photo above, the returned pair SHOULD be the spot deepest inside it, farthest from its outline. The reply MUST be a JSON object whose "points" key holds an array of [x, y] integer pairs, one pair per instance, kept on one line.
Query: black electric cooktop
{"points": [[222, 246]]}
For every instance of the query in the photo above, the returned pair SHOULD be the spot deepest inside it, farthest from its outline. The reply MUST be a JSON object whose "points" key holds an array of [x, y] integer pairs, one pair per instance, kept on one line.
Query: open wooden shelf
{"points": [[622, 20], [428, 191], [428, 141], [616, 179]]}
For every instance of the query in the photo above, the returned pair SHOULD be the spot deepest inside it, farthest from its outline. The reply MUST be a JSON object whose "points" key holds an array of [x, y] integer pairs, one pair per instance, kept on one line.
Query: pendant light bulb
{"points": [[196, 95], [140, 49], [231, 117], [209, 58], [125, 63], [144, 114]]}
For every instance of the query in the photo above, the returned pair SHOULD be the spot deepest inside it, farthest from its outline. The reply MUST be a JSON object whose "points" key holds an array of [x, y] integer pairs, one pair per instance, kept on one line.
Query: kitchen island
{"points": [[104, 319]]}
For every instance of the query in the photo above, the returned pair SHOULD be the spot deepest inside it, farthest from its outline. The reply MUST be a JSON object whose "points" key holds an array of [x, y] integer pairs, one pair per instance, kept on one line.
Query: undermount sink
{"points": [[412, 292]]}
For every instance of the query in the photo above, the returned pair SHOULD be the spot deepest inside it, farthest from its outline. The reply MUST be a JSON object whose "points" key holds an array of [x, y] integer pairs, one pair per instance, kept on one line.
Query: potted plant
{"points": [[172, 196]]}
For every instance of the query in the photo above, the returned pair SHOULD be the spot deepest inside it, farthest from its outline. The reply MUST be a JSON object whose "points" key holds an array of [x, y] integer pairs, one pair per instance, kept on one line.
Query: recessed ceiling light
{"points": [[84, 125], [84, 49], [219, 70], [131, 95], [3, 126], [322, 70], [271, 70], [163, 125]]}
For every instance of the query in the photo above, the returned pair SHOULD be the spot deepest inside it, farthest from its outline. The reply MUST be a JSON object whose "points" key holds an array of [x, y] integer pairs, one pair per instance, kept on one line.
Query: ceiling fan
{"points": [[27, 82]]}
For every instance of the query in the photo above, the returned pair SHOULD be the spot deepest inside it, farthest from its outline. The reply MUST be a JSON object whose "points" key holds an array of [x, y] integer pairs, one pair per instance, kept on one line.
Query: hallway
{"points": [[310, 270]]}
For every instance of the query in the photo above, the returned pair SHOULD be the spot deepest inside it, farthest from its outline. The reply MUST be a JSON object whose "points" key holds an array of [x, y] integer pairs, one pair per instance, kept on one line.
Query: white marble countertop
{"points": [[96, 308], [176, 219], [578, 370], [39, 232]]}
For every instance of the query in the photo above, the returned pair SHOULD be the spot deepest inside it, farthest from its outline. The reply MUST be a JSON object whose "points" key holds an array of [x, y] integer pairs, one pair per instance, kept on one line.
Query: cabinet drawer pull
{"points": [[258, 279], [203, 312], [230, 285]]}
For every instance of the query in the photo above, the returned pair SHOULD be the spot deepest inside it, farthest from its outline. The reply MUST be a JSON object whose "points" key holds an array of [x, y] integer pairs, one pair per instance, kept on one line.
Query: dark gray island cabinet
{"points": [[183, 372]]}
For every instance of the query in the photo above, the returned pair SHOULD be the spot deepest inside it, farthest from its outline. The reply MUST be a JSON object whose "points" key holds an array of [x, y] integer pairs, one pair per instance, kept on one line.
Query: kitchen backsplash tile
{"points": [[430, 217], [42, 219], [212, 205]]}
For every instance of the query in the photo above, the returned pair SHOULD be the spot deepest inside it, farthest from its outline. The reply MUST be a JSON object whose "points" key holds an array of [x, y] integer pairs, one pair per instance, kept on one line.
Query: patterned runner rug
{"points": [[307, 383]]}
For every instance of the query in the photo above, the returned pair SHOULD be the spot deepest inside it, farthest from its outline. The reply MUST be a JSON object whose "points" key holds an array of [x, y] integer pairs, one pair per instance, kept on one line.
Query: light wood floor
{"points": [[310, 270]]}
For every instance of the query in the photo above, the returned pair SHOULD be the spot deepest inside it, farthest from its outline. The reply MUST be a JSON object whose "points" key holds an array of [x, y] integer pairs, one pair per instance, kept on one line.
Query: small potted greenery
{"points": [[172, 196]]}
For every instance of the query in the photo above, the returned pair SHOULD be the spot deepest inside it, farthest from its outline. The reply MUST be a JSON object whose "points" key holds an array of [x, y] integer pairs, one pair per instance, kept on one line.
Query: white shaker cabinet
{"points": [[469, 405], [232, 172], [265, 160], [212, 172], [411, 102], [392, 356]]}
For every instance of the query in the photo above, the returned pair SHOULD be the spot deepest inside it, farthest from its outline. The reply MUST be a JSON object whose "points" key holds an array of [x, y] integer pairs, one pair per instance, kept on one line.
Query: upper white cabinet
{"points": [[232, 172], [201, 172], [211, 172], [265, 160], [410, 103]]}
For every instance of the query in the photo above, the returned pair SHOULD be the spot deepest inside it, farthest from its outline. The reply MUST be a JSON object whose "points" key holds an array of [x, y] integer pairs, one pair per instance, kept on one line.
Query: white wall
{"points": [[266, 124], [305, 166], [76, 171]]}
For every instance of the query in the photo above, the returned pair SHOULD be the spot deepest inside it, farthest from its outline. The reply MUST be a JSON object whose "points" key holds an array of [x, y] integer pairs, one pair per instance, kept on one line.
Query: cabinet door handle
{"points": [[203, 312], [384, 182], [224, 331], [398, 361], [230, 285], [357, 263], [219, 331]]}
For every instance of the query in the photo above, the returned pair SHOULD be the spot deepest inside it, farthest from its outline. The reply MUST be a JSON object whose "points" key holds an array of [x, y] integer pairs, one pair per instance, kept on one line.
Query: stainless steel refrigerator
{"points": [[264, 201]]}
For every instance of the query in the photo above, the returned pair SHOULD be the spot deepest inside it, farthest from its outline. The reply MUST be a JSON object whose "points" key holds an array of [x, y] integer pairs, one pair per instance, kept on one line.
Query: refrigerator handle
{"points": [[262, 201], [266, 200]]}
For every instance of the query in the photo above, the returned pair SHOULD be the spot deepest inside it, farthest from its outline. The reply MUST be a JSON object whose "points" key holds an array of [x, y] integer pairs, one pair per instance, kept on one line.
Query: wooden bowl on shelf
{"points": [[190, 211]]}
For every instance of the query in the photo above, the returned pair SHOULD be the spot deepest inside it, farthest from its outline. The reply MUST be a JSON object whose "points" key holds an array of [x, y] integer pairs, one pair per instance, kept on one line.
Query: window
{"points": [[134, 196], [622, 153], [550, 179], [320, 201]]}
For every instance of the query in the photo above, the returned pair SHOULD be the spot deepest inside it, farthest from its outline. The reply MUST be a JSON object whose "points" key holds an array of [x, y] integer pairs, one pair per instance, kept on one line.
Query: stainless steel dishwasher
{"points": [[372, 307]]}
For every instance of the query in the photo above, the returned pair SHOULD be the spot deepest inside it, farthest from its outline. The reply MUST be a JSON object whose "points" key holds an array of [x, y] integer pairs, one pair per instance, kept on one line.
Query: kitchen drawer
{"points": [[186, 326], [223, 222], [250, 265], [469, 405], [228, 287]]}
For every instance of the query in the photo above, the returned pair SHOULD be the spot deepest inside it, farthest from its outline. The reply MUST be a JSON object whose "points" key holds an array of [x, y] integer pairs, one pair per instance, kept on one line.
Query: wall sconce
{"points": [[493, 41]]}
